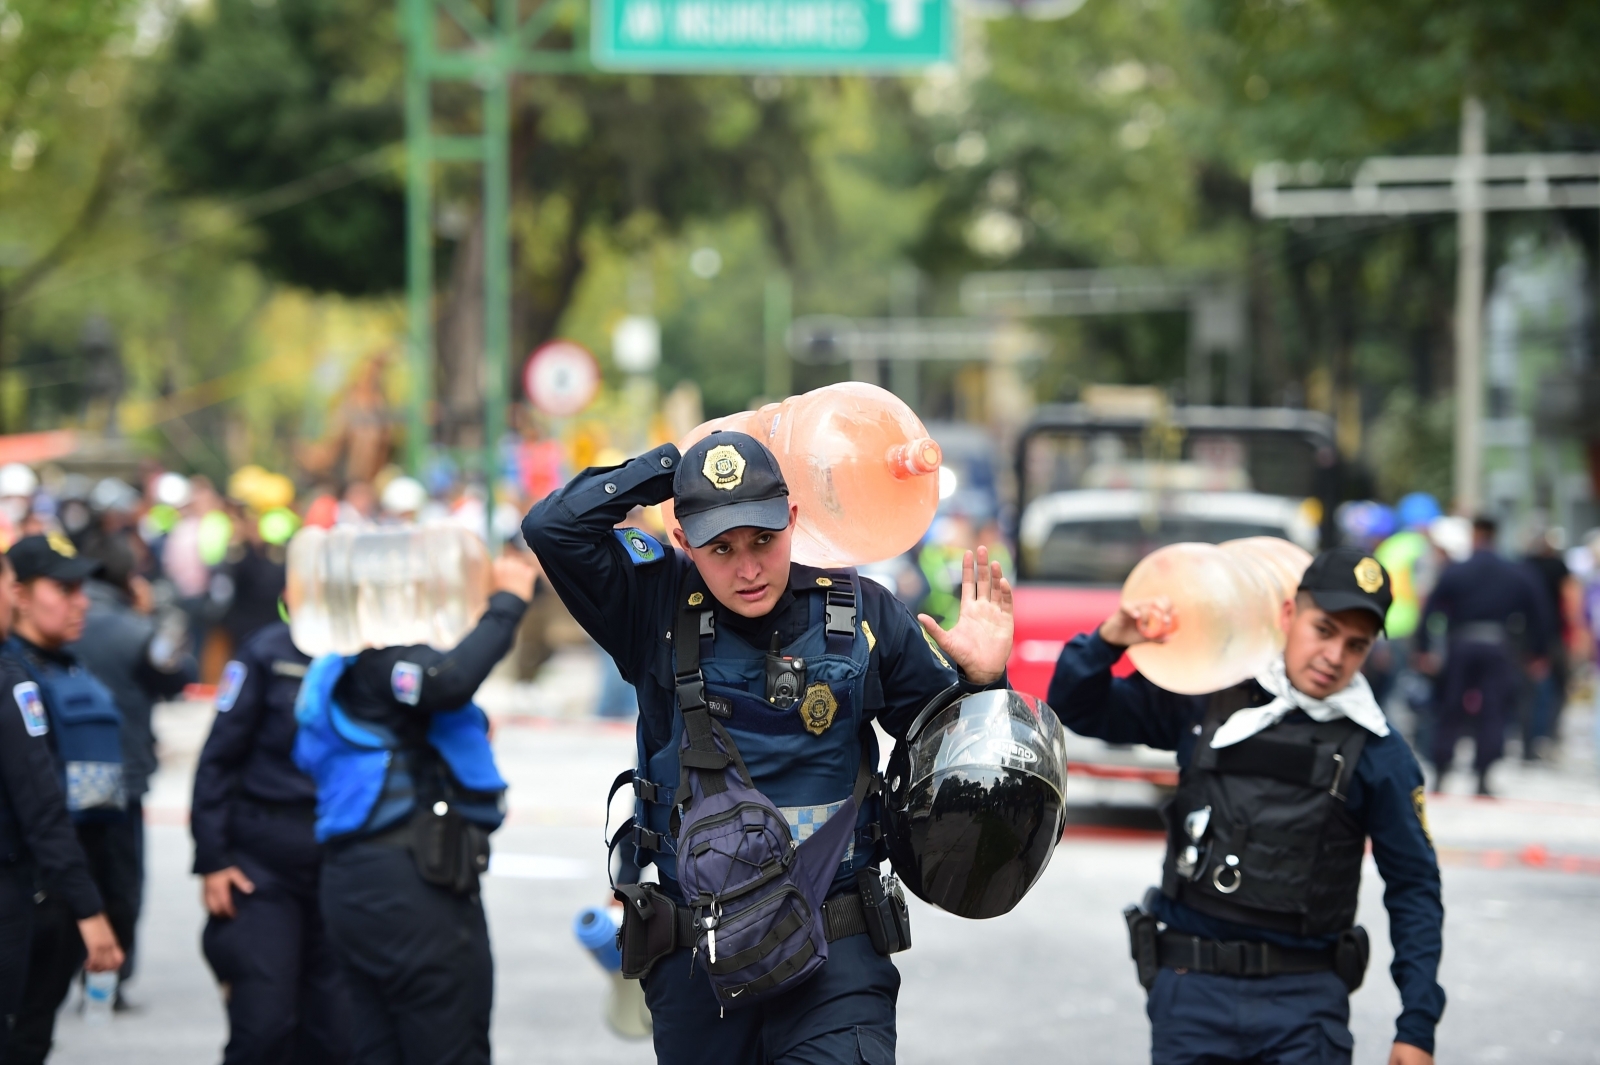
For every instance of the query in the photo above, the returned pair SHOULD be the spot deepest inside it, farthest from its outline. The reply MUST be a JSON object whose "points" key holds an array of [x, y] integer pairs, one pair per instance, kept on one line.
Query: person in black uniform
{"points": [[51, 867], [1493, 612], [869, 659], [252, 818], [1249, 949], [406, 827], [39, 852]]}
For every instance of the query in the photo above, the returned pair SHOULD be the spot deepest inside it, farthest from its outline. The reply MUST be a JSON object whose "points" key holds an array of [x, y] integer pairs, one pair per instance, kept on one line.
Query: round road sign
{"points": [[561, 378]]}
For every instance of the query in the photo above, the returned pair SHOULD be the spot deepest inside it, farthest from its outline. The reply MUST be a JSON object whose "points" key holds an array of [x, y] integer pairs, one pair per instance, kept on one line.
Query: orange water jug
{"points": [[860, 465], [352, 587], [1226, 602]]}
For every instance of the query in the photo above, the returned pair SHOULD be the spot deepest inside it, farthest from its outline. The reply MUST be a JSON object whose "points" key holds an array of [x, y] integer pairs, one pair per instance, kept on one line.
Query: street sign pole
{"points": [[498, 47]]}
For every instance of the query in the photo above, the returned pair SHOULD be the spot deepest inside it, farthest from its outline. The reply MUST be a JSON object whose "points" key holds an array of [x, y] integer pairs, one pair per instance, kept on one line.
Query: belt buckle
{"points": [[1231, 958]]}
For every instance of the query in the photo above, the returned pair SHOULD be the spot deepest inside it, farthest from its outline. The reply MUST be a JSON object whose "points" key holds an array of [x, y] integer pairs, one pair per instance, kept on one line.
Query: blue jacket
{"points": [[627, 598], [1386, 798]]}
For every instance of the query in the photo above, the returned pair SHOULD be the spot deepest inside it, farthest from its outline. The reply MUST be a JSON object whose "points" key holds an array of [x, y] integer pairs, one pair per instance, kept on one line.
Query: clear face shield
{"points": [[976, 800]]}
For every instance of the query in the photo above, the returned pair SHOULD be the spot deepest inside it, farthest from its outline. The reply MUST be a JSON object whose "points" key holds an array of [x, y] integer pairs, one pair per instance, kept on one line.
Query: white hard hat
{"points": [[17, 480], [173, 489], [403, 495]]}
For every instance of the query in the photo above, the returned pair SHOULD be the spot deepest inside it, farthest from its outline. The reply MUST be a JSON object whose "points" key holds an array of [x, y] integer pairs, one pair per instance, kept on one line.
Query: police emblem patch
{"points": [[61, 545], [405, 680], [934, 647], [1369, 575], [33, 717], [641, 546], [233, 675], [696, 598], [817, 708], [724, 467], [1420, 803], [824, 582]]}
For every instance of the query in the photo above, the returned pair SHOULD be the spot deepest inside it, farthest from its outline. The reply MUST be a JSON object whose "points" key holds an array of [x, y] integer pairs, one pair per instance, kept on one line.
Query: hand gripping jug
{"points": [[352, 587], [1226, 601], [859, 463]]}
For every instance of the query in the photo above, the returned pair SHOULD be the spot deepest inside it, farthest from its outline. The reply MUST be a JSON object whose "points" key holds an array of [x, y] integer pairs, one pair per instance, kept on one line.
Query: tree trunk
{"points": [[460, 340]]}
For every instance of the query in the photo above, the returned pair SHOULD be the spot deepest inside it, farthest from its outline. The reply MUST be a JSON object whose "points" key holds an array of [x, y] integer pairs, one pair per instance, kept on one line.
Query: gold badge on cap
{"points": [[817, 708], [696, 598], [724, 467], [61, 545], [1369, 575]]}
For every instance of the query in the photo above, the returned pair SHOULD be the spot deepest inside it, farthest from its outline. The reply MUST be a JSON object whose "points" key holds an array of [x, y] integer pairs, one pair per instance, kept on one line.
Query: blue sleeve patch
{"points": [[33, 717], [641, 546], [406, 682], [233, 675]]}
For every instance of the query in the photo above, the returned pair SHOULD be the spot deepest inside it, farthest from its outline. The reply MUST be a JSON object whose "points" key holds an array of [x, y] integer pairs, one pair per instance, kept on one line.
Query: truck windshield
{"points": [[1104, 551]]}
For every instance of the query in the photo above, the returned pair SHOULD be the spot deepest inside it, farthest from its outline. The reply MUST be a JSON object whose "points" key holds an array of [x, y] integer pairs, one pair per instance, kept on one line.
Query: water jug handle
{"points": [[915, 458]]}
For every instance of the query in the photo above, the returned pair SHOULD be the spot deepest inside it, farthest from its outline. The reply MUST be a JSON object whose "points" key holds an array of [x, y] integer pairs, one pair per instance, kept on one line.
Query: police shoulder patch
{"points": [[1419, 801], [641, 546], [33, 716], [233, 675], [934, 647], [405, 680]]}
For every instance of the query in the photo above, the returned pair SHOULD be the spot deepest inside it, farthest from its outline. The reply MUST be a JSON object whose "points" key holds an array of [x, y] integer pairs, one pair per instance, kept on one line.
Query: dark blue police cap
{"points": [[1346, 578], [728, 481]]}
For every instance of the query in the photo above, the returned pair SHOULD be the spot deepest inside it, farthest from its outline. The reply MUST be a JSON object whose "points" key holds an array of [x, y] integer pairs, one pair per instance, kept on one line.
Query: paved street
{"points": [[1050, 982]]}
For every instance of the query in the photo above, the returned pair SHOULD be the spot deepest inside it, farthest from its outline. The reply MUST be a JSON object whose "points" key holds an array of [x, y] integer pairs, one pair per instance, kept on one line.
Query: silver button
{"points": [[666, 462], [611, 489], [441, 808]]}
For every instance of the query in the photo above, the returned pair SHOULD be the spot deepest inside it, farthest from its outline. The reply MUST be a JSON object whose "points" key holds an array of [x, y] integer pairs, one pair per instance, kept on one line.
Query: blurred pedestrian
{"points": [[252, 818], [141, 661], [1494, 613], [1542, 725], [407, 794], [56, 697], [41, 862]]}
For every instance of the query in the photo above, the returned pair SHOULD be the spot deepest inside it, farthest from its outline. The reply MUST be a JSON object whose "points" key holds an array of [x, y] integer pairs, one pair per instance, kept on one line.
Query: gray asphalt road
{"points": [[1050, 982]]}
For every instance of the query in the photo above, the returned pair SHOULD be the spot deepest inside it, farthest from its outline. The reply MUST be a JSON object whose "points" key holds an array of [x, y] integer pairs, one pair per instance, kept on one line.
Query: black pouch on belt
{"points": [[450, 851], [649, 929], [1142, 942], [884, 907], [1350, 956]]}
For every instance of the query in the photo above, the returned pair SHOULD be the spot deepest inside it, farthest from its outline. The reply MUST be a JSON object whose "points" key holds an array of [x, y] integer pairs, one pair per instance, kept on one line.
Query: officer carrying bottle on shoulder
{"points": [[767, 936], [407, 795], [1249, 949], [253, 818]]}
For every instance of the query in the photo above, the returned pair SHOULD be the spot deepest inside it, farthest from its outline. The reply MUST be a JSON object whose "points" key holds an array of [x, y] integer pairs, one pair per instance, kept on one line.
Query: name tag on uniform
{"points": [[232, 683], [406, 682], [284, 668], [33, 717]]}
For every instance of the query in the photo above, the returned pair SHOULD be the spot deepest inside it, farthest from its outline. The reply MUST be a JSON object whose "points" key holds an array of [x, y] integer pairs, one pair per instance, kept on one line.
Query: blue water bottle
{"points": [[626, 1012]]}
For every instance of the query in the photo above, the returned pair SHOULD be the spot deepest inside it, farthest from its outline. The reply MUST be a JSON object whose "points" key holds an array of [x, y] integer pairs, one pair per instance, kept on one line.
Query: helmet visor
{"points": [[989, 730]]}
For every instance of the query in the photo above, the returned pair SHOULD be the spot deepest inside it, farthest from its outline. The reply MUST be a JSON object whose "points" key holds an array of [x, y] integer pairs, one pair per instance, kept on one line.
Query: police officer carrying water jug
{"points": [[65, 703], [768, 935], [40, 858], [1249, 949], [407, 794], [252, 818]]}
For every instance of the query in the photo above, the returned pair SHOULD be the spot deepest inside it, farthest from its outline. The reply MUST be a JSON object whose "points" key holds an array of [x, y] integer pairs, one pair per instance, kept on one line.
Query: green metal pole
{"points": [[418, 29], [778, 309], [496, 267]]}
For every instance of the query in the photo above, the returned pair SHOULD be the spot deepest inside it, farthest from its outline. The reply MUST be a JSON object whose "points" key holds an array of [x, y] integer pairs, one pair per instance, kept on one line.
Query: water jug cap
{"points": [[1346, 578], [728, 481]]}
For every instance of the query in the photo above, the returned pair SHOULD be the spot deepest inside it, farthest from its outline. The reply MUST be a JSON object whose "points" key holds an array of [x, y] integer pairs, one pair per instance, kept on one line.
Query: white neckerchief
{"points": [[1354, 701]]}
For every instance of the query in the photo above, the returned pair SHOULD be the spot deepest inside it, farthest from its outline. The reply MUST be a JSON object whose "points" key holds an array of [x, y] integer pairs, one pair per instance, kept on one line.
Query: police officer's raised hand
{"points": [[1146, 621], [980, 643], [1406, 1054], [104, 954], [512, 574], [217, 891]]}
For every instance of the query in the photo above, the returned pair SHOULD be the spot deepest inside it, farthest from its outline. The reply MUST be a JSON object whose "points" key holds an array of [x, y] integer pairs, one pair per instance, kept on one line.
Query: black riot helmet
{"points": [[975, 800]]}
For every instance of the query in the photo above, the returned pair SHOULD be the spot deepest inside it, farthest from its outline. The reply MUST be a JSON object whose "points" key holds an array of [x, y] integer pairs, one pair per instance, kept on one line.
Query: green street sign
{"points": [[771, 35]]}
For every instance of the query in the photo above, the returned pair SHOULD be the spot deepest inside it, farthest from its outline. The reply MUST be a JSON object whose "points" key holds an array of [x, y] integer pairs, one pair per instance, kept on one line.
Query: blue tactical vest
{"points": [[368, 781], [803, 758], [87, 728]]}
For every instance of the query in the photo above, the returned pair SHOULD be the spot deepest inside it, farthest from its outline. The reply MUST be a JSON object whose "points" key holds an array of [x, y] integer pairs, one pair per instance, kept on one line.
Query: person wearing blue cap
{"points": [[743, 658]]}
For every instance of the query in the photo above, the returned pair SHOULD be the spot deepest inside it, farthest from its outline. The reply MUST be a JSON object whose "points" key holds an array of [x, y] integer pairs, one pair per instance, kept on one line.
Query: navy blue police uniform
{"points": [[407, 793], [866, 659], [1491, 608], [255, 810], [1219, 994], [39, 851]]}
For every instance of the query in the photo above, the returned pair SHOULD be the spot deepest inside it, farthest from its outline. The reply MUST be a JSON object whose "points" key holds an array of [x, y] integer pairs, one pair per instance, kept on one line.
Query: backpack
{"points": [[755, 894]]}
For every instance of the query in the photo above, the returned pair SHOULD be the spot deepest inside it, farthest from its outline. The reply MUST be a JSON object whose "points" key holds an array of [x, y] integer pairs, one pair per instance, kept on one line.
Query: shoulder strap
{"points": [[839, 612]]}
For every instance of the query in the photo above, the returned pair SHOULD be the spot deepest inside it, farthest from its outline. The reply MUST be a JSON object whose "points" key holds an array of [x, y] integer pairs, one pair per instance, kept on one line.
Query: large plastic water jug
{"points": [[352, 587], [1226, 602], [859, 463]]}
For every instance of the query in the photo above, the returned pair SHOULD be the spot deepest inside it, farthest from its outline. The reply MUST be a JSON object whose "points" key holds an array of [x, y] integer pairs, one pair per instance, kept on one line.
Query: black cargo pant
{"points": [[287, 1003], [55, 955], [16, 943], [416, 959]]}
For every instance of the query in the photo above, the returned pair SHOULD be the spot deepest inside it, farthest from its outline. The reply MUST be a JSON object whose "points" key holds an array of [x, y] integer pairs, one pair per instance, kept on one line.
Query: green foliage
{"points": [[1411, 446]]}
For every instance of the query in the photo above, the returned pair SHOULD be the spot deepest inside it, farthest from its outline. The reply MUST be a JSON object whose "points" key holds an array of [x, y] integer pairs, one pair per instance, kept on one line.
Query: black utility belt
{"points": [[304, 812], [449, 851], [1237, 957]]}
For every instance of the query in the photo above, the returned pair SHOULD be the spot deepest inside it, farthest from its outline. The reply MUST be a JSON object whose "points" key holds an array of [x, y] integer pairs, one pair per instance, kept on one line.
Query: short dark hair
{"points": [[1485, 525]]}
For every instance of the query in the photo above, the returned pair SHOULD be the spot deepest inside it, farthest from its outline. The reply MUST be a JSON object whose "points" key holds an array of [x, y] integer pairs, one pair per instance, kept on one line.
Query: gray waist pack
{"points": [[756, 895]]}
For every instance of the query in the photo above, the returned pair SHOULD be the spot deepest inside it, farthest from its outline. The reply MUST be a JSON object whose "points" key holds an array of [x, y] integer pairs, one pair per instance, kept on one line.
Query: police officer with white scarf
{"points": [[1249, 949]]}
